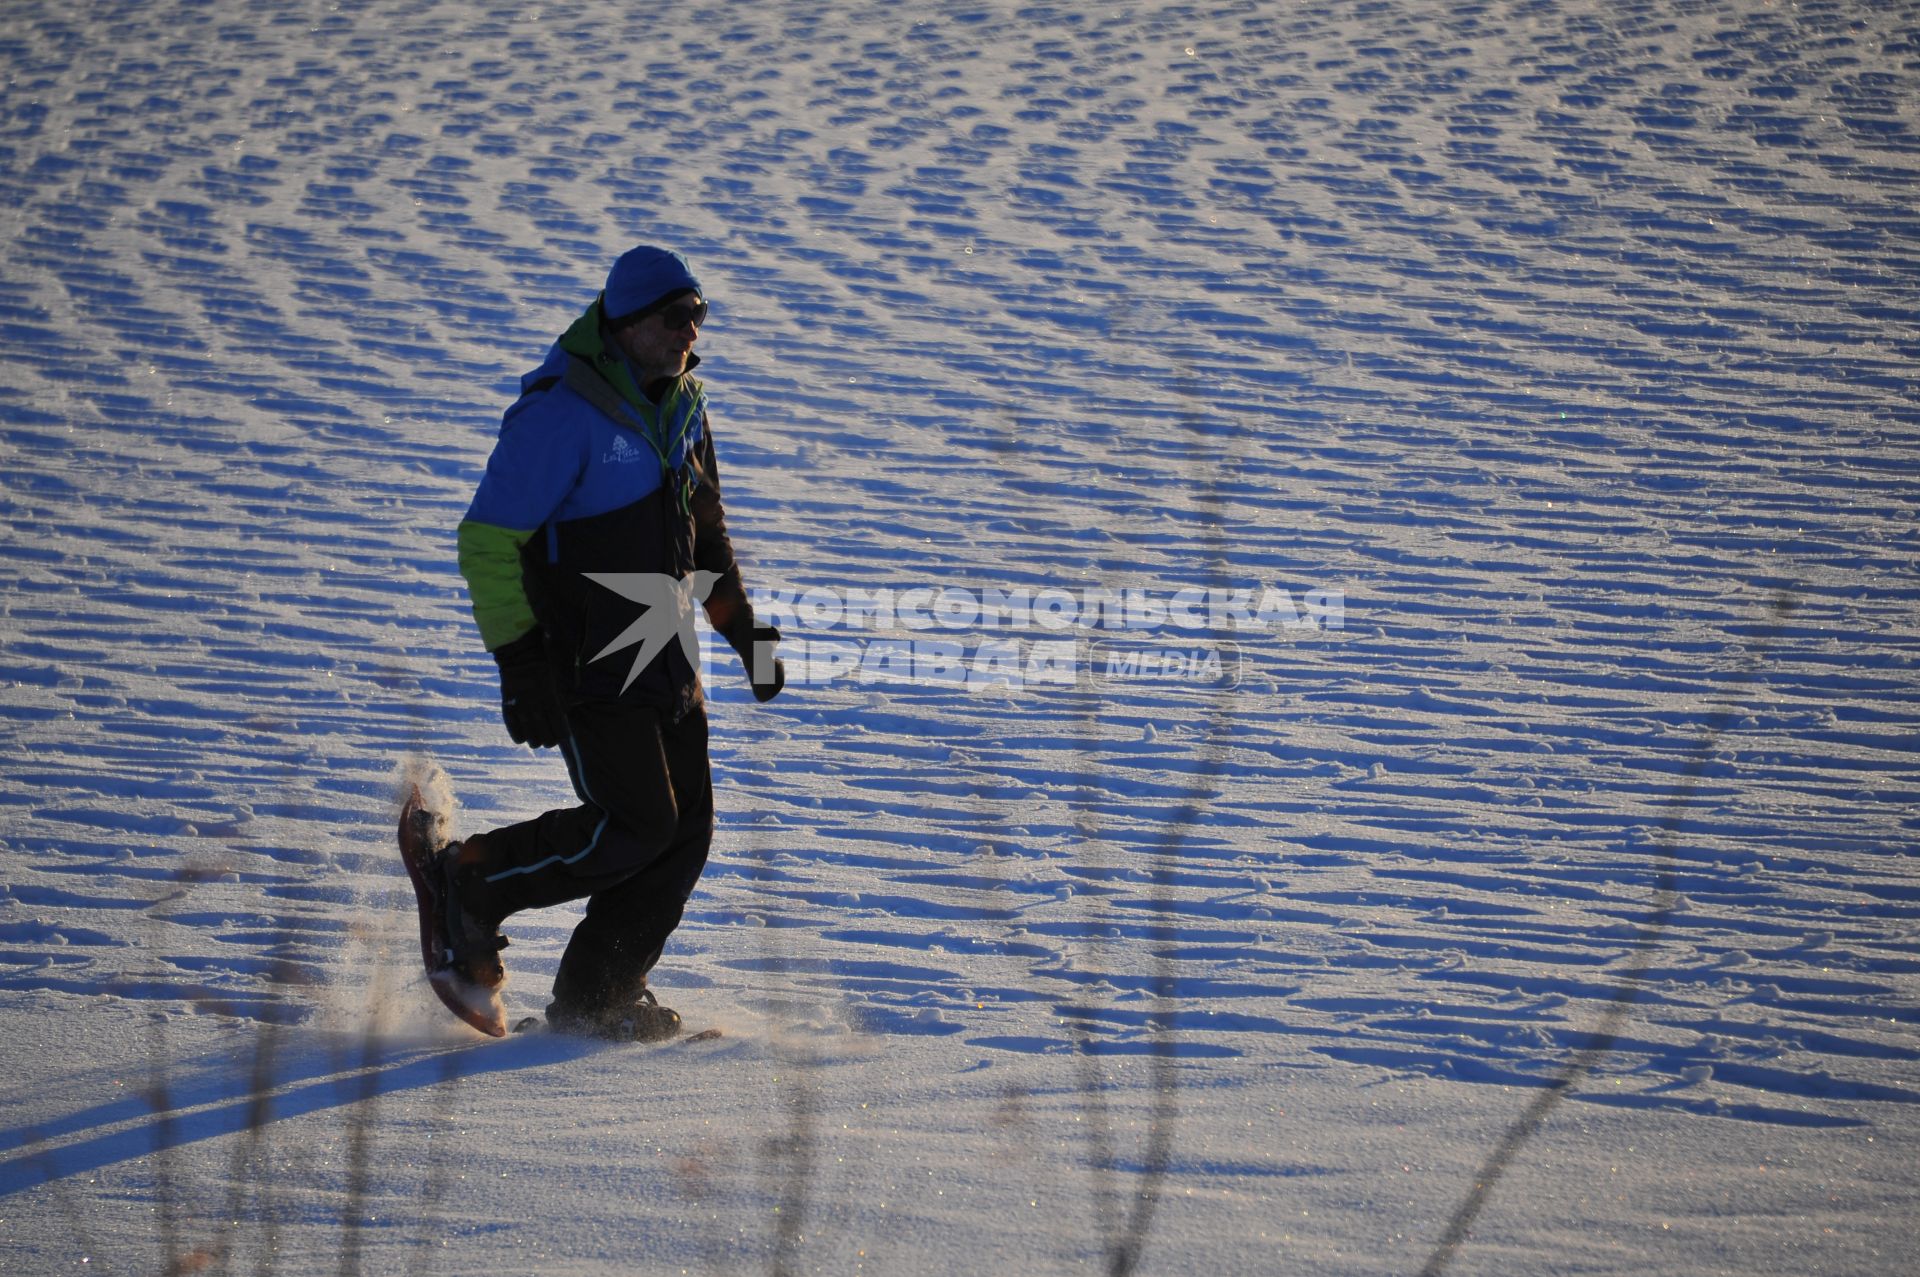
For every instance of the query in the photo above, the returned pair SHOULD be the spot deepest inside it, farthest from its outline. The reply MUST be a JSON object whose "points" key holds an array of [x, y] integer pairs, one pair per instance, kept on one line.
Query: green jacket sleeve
{"points": [[490, 561]]}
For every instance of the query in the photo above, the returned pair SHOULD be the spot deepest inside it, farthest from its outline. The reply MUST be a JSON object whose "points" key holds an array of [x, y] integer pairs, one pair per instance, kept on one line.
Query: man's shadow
{"points": [[285, 1073]]}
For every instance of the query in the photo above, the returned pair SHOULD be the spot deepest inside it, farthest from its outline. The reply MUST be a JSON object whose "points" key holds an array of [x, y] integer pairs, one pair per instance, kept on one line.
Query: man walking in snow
{"points": [[597, 526]]}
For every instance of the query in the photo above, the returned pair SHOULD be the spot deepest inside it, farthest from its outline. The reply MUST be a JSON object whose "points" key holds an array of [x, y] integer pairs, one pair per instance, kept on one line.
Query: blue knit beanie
{"points": [[642, 277]]}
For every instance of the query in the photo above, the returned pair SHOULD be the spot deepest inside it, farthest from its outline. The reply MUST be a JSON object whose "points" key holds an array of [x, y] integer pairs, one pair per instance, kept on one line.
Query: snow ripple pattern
{"points": [[1564, 339]]}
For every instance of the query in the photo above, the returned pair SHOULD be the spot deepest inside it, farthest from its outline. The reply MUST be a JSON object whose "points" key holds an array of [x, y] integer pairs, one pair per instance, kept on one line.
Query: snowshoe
{"points": [[461, 955], [645, 1020]]}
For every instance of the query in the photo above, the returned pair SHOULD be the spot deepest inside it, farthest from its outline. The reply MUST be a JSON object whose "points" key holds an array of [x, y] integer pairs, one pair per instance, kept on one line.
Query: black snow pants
{"points": [[633, 848]]}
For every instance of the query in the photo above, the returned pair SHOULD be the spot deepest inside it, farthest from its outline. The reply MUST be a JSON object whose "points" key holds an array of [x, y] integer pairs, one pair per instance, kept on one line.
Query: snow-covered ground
{"points": [[1520, 881]]}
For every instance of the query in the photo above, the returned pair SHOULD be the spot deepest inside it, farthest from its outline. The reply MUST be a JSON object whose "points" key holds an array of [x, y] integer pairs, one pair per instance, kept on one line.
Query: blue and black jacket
{"points": [[590, 475]]}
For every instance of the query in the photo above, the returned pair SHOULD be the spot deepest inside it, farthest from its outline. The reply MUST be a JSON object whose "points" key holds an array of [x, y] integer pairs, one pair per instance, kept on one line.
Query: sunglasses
{"points": [[674, 316], [684, 315]]}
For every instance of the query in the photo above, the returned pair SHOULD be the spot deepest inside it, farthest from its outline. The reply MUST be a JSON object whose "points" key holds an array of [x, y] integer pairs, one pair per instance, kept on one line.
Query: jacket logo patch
{"points": [[621, 453]]}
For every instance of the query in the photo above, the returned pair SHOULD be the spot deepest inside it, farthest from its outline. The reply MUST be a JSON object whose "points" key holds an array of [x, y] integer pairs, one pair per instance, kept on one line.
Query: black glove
{"points": [[765, 671], [529, 700]]}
